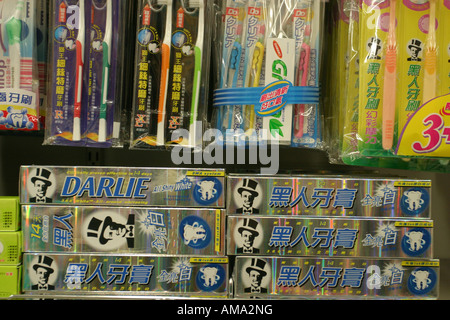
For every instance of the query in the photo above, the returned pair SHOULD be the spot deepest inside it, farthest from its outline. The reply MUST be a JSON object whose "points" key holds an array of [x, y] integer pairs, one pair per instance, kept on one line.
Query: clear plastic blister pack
{"points": [[269, 64], [85, 98]]}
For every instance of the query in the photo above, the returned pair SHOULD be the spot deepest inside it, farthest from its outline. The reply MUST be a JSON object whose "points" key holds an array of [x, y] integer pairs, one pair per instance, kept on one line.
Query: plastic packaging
{"points": [[85, 90], [171, 76], [269, 72], [19, 78]]}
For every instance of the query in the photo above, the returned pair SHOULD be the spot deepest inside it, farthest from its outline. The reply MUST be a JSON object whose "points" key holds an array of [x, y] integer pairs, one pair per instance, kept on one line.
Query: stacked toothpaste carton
{"points": [[331, 237], [10, 247], [123, 231]]}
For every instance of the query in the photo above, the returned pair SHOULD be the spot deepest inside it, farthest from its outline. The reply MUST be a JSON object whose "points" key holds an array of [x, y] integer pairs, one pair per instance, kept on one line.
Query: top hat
{"points": [[42, 175], [249, 225], [44, 262], [415, 43], [257, 265], [250, 186], [94, 227]]}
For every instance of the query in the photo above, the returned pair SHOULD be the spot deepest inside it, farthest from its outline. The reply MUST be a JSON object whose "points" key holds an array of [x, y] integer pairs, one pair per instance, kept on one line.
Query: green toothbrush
{"points": [[102, 127], [198, 70], [14, 31]]}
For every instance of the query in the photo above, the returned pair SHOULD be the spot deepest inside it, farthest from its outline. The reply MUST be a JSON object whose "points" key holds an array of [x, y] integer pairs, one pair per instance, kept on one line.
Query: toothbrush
{"points": [[79, 73], [14, 31], [255, 75], [231, 80], [198, 68], [429, 83], [106, 67], [390, 83], [165, 64], [302, 80]]}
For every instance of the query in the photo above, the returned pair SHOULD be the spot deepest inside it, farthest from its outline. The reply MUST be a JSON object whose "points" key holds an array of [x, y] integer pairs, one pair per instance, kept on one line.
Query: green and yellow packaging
{"points": [[10, 248], [9, 214], [10, 281]]}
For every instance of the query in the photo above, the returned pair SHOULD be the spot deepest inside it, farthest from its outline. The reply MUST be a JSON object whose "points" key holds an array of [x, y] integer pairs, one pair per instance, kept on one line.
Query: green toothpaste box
{"points": [[10, 248], [9, 214], [10, 280]]}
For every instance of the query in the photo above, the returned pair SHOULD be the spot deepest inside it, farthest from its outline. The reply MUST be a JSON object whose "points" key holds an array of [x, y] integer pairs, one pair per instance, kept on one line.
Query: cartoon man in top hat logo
{"points": [[41, 182], [374, 45], [256, 273], [414, 49], [248, 234], [109, 233], [248, 194], [43, 269]]}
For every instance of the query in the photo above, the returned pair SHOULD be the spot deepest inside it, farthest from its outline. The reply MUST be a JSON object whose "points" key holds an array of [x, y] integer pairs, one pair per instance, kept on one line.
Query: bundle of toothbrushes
{"points": [[42, 31], [171, 76], [395, 97], [19, 83], [268, 88], [85, 98]]}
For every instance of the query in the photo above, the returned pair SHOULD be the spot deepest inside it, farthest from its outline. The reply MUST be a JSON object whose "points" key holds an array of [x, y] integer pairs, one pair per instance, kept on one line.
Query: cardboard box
{"points": [[323, 237], [10, 248], [9, 214], [85, 229], [335, 278], [125, 274], [332, 196], [10, 280], [123, 186]]}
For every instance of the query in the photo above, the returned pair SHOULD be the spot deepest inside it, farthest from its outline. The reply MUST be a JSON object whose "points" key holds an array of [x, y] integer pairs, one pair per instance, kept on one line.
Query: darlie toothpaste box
{"points": [[335, 278], [122, 186], [334, 237], [86, 229], [125, 274], [328, 196]]}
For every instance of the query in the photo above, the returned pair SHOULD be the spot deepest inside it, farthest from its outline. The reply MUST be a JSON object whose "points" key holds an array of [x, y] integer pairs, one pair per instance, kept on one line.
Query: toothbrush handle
{"points": [[165, 61], [15, 63], [300, 109], [389, 98], [78, 93], [429, 82], [103, 106], [196, 94]]}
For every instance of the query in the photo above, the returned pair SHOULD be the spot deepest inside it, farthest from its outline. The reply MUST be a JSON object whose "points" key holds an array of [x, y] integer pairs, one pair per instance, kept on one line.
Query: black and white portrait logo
{"points": [[247, 196], [248, 236], [41, 185], [255, 275], [105, 230], [43, 273], [374, 47], [414, 50]]}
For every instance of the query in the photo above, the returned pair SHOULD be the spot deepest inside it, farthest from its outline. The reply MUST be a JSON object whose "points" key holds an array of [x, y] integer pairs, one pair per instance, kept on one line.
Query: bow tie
{"points": [[247, 250], [43, 286], [40, 200], [248, 210], [256, 290]]}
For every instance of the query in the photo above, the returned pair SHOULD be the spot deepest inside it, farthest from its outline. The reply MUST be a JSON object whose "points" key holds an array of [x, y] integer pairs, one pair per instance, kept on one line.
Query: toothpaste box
{"points": [[335, 278], [178, 275], [86, 229], [10, 248], [122, 186], [328, 196], [336, 237], [10, 281], [9, 214]]}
